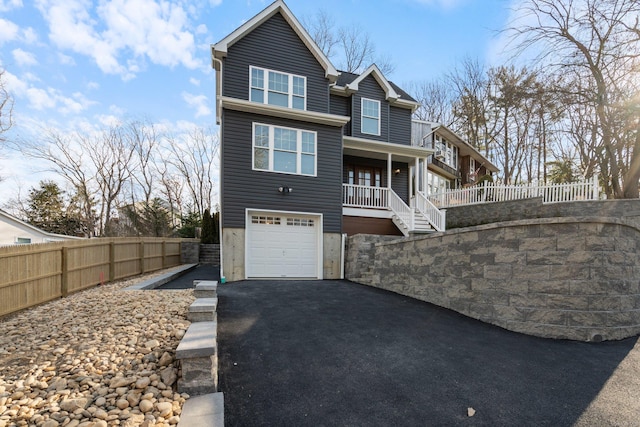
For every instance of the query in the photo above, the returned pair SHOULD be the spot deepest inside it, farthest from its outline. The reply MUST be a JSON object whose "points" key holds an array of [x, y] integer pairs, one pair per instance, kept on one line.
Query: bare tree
{"points": [[68, 159], [144, 139], [351, 44], [320, 27], [195, 159], [469, 82], [6, 107], [111, 155], [597, 44], [435, 101]]}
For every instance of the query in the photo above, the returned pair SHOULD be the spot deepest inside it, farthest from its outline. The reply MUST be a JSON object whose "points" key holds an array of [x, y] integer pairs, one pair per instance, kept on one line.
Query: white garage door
{"points": [[282, 245]]}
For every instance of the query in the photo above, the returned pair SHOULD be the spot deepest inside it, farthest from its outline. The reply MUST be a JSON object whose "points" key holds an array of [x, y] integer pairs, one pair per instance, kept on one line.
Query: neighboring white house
{"points": [[15, 232]]}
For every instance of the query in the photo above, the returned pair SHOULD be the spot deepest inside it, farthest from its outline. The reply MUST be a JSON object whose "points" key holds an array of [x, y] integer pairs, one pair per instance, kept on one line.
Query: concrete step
{"points": [[198, 356], [205, 288], [203, 310], [203, 411]]}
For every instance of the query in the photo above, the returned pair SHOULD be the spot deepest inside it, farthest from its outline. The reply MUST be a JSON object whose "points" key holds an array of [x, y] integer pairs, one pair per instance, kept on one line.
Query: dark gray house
{"points": [[309, 154]]}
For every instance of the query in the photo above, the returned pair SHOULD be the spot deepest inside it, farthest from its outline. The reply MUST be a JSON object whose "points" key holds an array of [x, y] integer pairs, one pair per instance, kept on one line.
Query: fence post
{"points": [[142, 257], [596, 188], [112, 261], [164, 253], [64, 279]]}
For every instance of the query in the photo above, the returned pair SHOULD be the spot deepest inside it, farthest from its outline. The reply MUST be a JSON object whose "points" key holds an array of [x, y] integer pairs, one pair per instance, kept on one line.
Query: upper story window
{"points": [[370, 122], [276, 88], [287, 150], [446, 152]]}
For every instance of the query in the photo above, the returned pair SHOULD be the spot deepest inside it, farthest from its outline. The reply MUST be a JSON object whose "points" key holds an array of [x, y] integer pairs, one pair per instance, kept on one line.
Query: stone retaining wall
{"points": [[573, 278], [487, 213]]}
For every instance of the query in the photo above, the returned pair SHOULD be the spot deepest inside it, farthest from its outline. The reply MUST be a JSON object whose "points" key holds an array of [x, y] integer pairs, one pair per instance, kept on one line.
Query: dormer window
{"points": [[276, 88], [370, 123]]}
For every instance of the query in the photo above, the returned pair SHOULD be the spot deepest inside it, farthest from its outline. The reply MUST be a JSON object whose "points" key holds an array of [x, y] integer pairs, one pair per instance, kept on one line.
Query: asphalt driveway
{"points": [[335, 353]]}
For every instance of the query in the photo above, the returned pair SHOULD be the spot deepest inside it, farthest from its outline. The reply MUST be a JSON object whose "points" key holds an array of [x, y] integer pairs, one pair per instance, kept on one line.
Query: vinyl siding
{"points": [[274, 45], [370, 89], [399, 125], [341, 105], [243, 187]]}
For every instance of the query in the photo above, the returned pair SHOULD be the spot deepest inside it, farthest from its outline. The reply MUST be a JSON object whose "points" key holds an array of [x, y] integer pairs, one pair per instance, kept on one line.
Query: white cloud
{"points": [[198, 102], [93, 86], [134, 29], [8, 31], [201, 29], [47, 98], [24, 58], [29, 36], [66, 59], [7, 5], [194, 81], [40, 99], [214, 3]]}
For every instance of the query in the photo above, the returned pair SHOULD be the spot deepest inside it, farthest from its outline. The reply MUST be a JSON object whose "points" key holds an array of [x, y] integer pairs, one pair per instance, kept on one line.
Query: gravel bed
{"points": [[100, 357]]}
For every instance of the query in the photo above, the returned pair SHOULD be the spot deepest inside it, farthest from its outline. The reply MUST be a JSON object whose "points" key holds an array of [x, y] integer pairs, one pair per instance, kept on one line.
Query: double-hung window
{"points": [[276, 88], [370, 122], [286, 150]]}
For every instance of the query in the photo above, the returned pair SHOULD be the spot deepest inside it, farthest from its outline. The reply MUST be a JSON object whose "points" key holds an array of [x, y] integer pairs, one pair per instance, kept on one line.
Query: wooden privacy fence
{"points": [[33, 274]]}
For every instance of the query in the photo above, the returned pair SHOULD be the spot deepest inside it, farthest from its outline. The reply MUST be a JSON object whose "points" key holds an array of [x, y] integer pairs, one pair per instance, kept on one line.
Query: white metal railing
{"points": [[490, 192], [364, 196], [436, 217]]}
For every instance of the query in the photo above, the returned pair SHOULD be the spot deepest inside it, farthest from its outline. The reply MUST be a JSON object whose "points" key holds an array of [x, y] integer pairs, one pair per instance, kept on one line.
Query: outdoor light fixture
{"points": [[397, 171], [284, 189]]}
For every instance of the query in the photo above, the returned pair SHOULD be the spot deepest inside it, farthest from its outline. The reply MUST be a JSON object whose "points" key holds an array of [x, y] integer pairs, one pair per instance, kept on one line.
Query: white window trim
{"points": [[265, 89], [362, 116], [271, 148]]}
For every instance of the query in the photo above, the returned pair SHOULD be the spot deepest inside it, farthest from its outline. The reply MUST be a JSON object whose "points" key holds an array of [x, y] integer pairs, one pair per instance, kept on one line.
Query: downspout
{"points": [[342, 254], [215, 61]]}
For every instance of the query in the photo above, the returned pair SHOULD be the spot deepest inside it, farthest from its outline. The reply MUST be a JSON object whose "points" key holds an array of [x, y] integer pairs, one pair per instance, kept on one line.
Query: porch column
{"points": [[416, 178], [425, 168], [389, 171]]}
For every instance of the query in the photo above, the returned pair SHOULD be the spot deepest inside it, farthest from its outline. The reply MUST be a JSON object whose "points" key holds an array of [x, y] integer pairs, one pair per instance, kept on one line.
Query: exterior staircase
{"points": [[421, 224], [210, 254]]}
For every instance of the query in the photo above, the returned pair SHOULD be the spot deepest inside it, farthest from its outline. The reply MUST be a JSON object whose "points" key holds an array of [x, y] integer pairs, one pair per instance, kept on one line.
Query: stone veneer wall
{"points": [[189, 251], [572, 278], [487, 213]]}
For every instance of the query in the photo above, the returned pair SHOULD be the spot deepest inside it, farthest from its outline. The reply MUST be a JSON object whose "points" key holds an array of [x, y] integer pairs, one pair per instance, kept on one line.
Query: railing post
{"points": [[112, 261], [64, 279], [142, 257]]}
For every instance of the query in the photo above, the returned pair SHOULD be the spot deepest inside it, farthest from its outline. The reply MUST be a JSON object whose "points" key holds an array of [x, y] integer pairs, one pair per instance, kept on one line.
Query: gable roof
{"points": [[219, 50], [6, 217], [348, 83]]}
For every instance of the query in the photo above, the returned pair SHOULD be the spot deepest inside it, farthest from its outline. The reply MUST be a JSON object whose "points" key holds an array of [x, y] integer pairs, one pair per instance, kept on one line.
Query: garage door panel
{"points": [[281, 245]]}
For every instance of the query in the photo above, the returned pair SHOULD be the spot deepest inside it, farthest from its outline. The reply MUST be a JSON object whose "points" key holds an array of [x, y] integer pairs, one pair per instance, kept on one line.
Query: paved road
{"points": [[335, 353]]}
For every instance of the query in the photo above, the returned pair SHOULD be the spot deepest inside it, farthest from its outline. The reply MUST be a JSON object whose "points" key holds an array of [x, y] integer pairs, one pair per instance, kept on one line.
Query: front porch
{"points": [[383, 181], [419, 216]]}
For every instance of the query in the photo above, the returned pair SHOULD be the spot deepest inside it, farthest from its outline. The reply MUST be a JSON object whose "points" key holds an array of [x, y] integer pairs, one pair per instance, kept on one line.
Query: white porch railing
{"points": [[402, 211], [490, 192], [363, 196], [436, 217]]}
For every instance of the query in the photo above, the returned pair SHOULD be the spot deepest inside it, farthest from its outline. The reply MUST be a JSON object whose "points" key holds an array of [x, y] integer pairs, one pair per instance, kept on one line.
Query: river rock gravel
{"points": [[100, 357]]}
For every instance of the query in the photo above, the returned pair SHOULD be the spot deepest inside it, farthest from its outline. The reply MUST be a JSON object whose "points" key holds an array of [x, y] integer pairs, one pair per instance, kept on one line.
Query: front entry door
{"points": [[367, 177]]}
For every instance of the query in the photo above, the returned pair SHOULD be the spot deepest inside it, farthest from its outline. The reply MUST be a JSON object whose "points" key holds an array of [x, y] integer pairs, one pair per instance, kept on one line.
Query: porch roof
{"points": [[380, 150]]}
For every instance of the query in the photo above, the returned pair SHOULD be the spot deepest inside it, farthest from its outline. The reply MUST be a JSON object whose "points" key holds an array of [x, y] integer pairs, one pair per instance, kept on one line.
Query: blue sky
{"points": [[80, 64]]}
